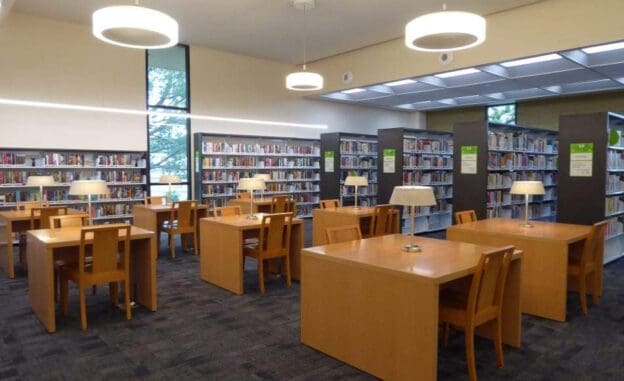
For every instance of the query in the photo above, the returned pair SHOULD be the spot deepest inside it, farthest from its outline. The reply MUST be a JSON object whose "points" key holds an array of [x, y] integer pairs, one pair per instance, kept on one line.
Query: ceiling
{"points": [[273, 28], [570, 72]]}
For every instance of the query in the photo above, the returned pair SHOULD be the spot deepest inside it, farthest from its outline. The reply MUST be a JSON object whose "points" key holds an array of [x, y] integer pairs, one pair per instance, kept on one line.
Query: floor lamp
{"points": [[356, 181], [251, 185], [169, 179], [40, 181], [265, 177], [412, 196], [88, 188], [527, 188]]}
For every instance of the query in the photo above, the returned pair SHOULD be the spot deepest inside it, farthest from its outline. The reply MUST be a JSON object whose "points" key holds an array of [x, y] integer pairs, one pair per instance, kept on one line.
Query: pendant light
{"points": [[304, 80], [445, 31], [133, 26]]}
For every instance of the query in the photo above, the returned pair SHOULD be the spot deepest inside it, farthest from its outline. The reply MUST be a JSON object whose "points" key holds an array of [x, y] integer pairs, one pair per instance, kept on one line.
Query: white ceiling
{"points": [[273, 28]]}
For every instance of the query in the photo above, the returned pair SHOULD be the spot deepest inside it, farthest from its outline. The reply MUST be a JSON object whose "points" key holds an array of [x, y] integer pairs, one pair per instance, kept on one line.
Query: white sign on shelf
{"points": [[469, 160]]}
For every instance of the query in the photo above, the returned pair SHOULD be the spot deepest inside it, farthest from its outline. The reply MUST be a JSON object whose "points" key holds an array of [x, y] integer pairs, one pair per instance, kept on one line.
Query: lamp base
{"points": [[412, 249], [252, 217], [526, 225]]}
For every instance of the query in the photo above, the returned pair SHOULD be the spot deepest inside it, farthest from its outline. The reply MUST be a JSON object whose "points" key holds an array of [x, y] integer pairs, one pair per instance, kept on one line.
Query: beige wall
{"points": [[444, 120]]}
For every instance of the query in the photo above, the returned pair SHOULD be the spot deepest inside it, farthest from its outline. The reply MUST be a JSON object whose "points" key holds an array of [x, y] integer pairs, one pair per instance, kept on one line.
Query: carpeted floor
{"points": [[203, 332]]}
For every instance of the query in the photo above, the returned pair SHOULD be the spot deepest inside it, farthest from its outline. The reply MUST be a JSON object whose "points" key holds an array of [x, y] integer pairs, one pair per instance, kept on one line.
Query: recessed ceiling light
{"points": [[604, 48], [400, 83], [353, 91], [532, 60], [458, 73]]}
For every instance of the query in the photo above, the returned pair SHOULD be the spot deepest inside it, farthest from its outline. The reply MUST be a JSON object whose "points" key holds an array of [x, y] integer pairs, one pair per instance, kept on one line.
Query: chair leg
{"points": [[172, 244], [498, 343], [445, 333], [287, 264], [57, 284], [114, 293], [93, 290], [158, 243], [64, 294], [83, 308], [470, 354], [195, 245], [261, 274], [583, 292], [595, 288], [127, 299]]}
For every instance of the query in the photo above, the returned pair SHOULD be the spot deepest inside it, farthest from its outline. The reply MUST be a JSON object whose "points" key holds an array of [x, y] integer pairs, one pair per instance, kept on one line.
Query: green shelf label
{"points": [[329, 154], [582, 148], [467, 150]]}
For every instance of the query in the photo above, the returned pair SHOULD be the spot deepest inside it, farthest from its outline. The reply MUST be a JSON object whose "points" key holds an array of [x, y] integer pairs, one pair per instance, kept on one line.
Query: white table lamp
{"points": [[265, 177], [88, 188], [40, 181], [169, 179], [412, 196], [527, 188], [250, 185], [356, 181]]}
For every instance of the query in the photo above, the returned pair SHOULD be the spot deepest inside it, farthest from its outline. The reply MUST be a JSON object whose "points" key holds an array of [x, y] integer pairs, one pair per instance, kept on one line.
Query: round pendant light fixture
{"points": [[445, 31], [132, 26], [304, 80]]}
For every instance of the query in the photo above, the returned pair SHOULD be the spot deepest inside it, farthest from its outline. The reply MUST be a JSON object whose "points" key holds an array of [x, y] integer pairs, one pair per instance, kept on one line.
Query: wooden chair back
{"points": [[243, 195], [104, 251], [69, 220], [383, 220], [275, 235], [281, 204], [485, 298], [594, 243], [154, 200], [186, 212], [43, 215], [233, 210], [327, 204], [343, 233], [28, 205], [465, 216]]}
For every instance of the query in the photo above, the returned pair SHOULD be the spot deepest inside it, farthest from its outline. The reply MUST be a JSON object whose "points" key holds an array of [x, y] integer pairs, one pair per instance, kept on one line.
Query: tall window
{"points": [[502, 114], [168, 135]]}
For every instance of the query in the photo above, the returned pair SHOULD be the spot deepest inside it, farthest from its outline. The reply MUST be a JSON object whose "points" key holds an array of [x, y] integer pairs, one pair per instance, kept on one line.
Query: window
{"points": [[502, 113], [168, 135]]}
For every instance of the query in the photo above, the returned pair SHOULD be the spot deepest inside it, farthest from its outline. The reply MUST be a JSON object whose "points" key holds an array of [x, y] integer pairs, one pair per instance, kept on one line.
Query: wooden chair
{"points": [[482, 304], [382, 222], [105, 267], [343, 233], [44, 215], [281, 204], [28, 205], [69, 220], [233, 210], [580, 267], [327, 204], [154, 200], [182, 220], [243, 195], [465, 216], [274, 242]]}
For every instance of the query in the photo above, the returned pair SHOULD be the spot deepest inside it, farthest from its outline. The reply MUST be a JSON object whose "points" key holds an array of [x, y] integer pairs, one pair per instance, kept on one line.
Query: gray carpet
{"points": [[203, 332]]}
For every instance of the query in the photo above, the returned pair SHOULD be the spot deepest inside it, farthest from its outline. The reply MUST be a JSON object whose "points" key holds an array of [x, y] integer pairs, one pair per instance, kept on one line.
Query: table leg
{"points": [[143, 272], [41, 282], [6, 247], [221, 258]]}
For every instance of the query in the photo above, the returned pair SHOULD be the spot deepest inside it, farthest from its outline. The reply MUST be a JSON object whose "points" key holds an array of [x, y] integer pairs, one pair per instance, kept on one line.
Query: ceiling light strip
{"points": [[604, 48], [532, 60], [125, 111]]}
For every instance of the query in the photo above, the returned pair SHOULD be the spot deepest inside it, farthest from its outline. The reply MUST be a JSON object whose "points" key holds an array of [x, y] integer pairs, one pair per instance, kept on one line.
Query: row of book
{"points": [[505, 180], [443, 192], [522, 141], [427, 178], [265, 162], [370, 175], [614, 227], [209, 147], [445, 162], [370, 190], [357, 146], [295, 187], [65, 177], [275, 175], [361, 162], [495, 198], [614, 205], [428, 223], [510, 161], [541, 211], [61, 195], [428, 145], [615, 159], [441, 206], [615, 183]]}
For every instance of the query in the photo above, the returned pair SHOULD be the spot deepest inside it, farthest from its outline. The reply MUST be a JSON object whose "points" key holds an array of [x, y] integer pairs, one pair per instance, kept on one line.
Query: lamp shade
{"points": [[36, 181], [359, 181], [527, 187], [304, 81], [250, 184], [169, 179], [445, 31], [88, 187], [262, 176], [412, 195]]}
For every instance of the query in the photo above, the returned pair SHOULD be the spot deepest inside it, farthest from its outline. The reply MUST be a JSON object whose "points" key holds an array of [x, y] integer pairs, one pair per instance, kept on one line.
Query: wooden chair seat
{"points": [[72, 272], [182, 220]]}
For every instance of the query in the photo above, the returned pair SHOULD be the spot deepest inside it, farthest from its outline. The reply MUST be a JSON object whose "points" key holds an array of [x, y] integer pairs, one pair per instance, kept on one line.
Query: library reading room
{"points": [[307, 190]]}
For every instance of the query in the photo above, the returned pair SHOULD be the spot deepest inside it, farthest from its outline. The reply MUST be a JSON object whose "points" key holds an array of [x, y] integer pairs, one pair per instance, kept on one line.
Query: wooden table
{"points": [[371, 305], [546, 248], [44, 245], [341, 216], [14, 221], [260, 205], [150, 217], [221, 255]]}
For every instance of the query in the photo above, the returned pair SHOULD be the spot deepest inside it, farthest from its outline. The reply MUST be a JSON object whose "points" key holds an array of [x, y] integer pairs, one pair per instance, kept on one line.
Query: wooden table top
{"points": [[22, 215], [242, 222], [163, 208], [440, 261], [71, 236], [362, 211], [540, 231]]}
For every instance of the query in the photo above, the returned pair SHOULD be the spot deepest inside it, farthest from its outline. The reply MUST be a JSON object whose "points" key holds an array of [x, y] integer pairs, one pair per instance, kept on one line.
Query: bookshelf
{"points": [[349, 155], [586, 198], [124, 172], [418, 157], [506, 153], [221, 160]]}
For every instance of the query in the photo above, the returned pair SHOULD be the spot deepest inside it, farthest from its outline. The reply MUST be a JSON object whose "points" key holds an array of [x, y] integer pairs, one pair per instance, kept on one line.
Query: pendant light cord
{"points": [[305, 34]]}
